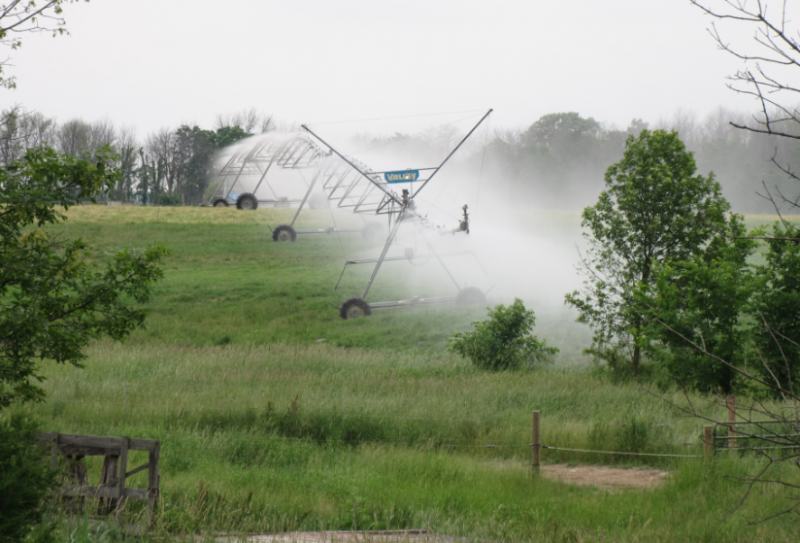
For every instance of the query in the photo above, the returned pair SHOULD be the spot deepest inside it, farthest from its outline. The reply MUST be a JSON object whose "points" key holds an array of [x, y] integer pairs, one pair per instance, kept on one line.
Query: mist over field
{"points": [[524, 191], [318, 271]]}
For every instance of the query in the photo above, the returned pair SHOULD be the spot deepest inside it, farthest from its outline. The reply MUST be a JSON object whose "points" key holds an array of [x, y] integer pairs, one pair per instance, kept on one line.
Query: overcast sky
{"points": [[157, 63]]}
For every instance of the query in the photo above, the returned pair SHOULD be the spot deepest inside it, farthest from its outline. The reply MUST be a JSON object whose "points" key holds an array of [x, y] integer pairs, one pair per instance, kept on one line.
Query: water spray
{"points": [[374, 193]]}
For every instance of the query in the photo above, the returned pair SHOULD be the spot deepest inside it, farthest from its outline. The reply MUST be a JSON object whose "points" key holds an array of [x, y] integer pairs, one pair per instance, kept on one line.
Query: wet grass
{"points": [[274, 414]]}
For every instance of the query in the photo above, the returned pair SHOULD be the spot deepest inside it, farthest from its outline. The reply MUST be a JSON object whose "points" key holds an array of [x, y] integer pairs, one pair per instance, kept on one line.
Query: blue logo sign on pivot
{"points": [[402, 176]]}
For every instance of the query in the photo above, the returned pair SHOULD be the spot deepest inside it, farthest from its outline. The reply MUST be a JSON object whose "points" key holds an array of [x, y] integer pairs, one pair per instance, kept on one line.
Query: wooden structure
{"points": [[536, 442], [111, 489]]}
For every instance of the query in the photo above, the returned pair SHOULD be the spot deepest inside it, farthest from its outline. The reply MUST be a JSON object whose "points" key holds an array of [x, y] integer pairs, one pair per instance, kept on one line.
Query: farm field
{"points": [[276, 415]]}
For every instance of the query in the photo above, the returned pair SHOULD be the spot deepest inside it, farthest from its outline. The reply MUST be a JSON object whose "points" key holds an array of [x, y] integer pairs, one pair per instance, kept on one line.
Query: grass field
{"points": [[274, 414]]}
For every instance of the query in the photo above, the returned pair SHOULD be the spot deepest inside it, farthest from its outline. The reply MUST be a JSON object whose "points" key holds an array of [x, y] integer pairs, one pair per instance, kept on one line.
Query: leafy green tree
{"points": [[655, 210], [228, 135], [698, 306], [54, 297], [504, 341], [24, 478], [18, 17], [563, 150], [194, 148], [560, 131], [776, 310]]}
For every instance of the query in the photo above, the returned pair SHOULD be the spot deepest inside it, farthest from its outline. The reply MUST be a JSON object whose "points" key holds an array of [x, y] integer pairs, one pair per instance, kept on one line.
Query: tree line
{"points": [[170, 166], [672, 290], [560, 159], [557, 162]]}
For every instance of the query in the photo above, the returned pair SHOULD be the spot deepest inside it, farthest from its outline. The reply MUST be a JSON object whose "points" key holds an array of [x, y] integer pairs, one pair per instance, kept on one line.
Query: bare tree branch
{"points": [[18, 17]]}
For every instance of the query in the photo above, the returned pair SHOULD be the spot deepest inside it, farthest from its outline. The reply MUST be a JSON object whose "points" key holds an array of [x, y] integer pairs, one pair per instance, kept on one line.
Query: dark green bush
{"points": [[504, 341], [776, 311], [25, 478], [165, 199]]}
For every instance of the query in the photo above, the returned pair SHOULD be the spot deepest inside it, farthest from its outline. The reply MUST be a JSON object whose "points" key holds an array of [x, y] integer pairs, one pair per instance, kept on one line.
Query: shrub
{"points": [[25, 478], [165, 199], [504, 341], [776, 309], [655, 211]]}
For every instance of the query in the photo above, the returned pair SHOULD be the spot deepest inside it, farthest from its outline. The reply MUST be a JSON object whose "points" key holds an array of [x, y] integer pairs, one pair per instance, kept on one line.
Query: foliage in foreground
{"points": [[669, 279], [696, 309], [386, 435], [25, 479], [54, 297], [504, 341], [655, 210], [776, 310]]}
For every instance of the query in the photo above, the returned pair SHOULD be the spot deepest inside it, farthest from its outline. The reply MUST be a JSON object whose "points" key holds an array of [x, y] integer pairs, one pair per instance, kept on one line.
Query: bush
{"points": [[25, 478], [504, 341], [165, 199], [776, 310]]}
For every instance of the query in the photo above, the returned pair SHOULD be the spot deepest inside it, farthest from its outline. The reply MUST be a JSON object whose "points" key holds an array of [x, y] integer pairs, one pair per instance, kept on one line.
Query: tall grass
{"points": [[276, 415]]}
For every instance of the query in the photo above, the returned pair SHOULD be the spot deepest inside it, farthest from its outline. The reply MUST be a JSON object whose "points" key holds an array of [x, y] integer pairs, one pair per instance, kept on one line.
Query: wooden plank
{"points": [[730, 403], [138, 444], [97, 441], [108, 478], [153, 479], [536, 444], [136, 493], [88, 441], [74, 450], [105, 492], [112, 491], [90, 491], [708, 441], [78, 476], [137, 469], [122, 467]]}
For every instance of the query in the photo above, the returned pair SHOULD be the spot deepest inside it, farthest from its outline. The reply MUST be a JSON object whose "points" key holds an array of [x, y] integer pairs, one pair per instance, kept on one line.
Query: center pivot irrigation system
{"points": [[251, 177], [374, 192]]}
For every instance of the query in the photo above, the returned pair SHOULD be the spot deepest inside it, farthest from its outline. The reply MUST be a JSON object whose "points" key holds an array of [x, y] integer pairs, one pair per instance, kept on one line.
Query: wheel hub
{"points": [[354, 312]]}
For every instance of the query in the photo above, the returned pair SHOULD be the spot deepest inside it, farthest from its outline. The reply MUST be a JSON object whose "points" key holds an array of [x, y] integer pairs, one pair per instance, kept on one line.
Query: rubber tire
{"points": [[470, 296], [247, 202], [284, 232], [220, 202], [355, 308]]}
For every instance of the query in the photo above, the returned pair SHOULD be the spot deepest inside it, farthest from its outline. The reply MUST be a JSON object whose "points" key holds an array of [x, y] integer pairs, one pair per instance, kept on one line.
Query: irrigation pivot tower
{"points": [[400, 207]]}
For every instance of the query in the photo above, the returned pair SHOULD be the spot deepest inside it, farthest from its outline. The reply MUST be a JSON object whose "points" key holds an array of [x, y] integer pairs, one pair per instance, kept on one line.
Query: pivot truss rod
{"points": [[398, 205], [370, 176]]}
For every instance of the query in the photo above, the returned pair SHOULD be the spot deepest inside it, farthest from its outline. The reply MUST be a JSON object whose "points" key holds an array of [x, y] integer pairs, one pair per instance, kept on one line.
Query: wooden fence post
{"points": [[536, 444], [153, 481], [708, 442], [122, 467], [108, 478], [730, 402]]}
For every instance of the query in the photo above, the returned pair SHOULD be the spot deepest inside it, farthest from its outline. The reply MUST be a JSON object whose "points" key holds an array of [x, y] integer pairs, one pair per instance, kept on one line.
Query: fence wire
{"points": [[621, 453]]}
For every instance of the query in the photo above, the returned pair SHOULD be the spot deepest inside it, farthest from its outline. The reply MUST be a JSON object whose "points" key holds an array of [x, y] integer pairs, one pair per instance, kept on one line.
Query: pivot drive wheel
{"points": [[355, 308], [470, 296], [246, 201], [220, 202], [284, 232]]}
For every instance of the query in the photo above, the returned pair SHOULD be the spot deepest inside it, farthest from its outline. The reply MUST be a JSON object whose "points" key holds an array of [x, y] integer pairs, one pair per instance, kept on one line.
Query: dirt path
{"points": [[605, 477], [597, 476], [399, 536]]}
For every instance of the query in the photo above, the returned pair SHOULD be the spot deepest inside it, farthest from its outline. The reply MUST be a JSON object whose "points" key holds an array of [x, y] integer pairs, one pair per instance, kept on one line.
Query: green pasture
{"points": [[275, 414]]}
